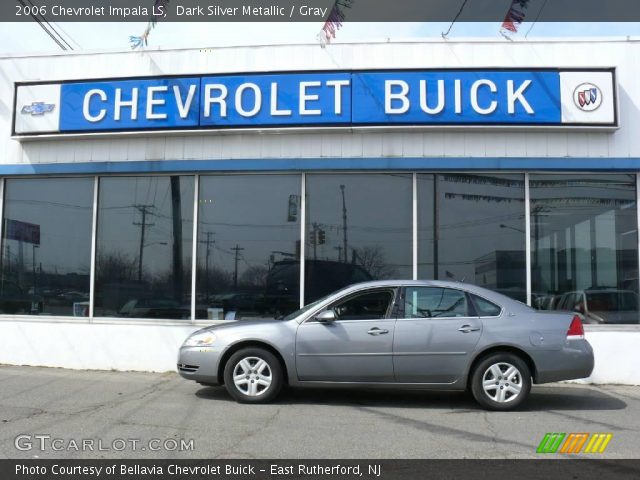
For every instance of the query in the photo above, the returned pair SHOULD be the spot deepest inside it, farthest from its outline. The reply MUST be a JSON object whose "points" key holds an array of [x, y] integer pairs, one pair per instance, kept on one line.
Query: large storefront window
{"points": [[584, 244], [358, 228], [144, 246], [471, 227], [248, 246], [46, 246]]}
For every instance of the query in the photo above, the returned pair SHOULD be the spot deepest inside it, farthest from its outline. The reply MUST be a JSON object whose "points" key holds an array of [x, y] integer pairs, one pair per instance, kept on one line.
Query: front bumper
{"points": [[199, 364]]}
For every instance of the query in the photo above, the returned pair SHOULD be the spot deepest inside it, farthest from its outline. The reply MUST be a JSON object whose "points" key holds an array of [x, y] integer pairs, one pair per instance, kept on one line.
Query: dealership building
{"points": [[146, 194]]}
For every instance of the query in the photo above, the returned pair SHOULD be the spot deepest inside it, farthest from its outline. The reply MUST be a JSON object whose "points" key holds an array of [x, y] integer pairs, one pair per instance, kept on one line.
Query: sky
{"points": [[19, 38]]}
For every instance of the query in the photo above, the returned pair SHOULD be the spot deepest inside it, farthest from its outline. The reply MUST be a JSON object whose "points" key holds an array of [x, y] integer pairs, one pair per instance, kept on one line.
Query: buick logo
{"points": [[37, 108], [587, 97]]}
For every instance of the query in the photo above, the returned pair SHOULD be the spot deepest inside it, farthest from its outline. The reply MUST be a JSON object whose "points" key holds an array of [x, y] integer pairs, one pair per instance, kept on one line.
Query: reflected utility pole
{"points": [[344, 223], [208, 242], [143, 224], [237, 249], [176, 252], [33, 262], [314, 240]]}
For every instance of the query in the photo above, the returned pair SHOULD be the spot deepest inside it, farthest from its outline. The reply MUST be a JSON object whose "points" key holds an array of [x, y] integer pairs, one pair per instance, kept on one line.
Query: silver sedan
{"points": [[396, 334]]}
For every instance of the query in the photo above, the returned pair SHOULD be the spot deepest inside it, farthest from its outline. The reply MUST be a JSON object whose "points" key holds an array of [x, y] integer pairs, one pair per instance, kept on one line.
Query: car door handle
{"points": [[468, 328], [377, 331]]}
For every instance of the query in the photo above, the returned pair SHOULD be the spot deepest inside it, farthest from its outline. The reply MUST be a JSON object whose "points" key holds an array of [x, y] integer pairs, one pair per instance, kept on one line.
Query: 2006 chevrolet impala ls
{"points": [[400, 334]]}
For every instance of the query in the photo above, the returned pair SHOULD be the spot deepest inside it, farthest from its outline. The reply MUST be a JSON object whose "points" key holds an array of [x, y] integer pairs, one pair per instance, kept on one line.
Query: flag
{"points": [[514, 17], [334, 21], [159, 9]]}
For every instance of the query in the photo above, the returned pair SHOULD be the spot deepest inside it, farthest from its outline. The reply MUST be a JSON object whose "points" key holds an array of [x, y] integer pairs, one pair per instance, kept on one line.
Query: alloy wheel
{"points": [[252, 376], [502, 382]]}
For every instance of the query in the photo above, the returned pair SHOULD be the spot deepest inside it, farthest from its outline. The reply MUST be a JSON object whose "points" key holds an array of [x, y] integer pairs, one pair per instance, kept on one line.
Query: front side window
{"points": [[434, 302], [364, 306]]}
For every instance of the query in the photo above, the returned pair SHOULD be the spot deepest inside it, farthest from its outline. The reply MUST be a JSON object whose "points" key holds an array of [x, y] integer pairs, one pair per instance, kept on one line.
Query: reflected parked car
{"points": [[155, 308], [546, 302], [14, 300], [395, 334], [282, 292], [602, 305], [241, 302]]}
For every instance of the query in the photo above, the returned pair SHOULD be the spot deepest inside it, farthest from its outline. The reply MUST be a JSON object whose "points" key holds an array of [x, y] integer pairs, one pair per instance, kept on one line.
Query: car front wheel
{"points": [[253, 375], [501, 382]]}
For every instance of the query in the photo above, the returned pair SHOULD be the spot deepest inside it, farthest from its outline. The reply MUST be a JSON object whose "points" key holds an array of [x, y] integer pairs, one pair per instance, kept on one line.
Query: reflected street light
{"points": [[502, 225]]}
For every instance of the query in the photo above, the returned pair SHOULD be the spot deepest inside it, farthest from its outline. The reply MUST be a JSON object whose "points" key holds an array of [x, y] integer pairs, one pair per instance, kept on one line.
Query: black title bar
{"points": [[161, 469], [315, 10]]}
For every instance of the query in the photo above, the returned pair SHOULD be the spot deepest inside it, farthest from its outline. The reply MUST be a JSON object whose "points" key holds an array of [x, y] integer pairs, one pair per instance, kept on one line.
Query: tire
{"points": [[501, 393], [262, 385]]}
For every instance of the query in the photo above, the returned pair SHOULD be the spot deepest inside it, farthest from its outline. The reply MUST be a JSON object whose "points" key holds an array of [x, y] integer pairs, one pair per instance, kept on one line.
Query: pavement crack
{"points": [[268, 423], [35, 413], [607, 425], [440, 429]]}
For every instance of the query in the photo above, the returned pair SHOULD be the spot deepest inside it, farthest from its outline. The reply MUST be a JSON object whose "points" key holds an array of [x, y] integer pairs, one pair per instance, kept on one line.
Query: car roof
{"points": [[491, 295]]}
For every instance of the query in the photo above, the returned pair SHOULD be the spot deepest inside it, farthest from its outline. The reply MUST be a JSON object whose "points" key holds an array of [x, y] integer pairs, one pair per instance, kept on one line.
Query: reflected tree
{"points": [[373, 260]]}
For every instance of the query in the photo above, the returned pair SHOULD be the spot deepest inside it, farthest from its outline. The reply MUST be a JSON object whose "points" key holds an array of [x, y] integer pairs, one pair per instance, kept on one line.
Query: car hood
{"points": [[241, 324]]}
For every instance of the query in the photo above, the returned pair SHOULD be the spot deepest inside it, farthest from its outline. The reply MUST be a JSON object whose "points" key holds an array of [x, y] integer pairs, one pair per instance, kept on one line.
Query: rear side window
{"points": [[435, 302], [484, 307]]}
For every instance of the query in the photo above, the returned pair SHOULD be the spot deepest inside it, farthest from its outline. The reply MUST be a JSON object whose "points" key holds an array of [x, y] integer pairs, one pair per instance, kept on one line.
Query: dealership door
{"points": [[436, 335], [356, 347]]}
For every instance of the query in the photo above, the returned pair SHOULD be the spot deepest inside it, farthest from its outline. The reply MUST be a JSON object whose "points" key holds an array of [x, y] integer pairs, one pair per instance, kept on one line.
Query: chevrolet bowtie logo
{"points": [[37, 108]]}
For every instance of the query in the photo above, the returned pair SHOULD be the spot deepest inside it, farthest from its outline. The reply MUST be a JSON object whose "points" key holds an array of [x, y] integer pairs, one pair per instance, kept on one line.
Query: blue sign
{"points": [[419, 98], [428, 97], [130, 104]]}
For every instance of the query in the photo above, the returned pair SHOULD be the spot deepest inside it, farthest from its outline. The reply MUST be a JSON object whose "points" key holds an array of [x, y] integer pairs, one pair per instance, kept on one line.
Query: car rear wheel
{"points": [[253, 375], [502, 381]]}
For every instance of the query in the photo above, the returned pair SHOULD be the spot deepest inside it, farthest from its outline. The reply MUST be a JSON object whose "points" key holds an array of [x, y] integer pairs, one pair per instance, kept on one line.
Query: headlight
{"points": [[203, 339]]}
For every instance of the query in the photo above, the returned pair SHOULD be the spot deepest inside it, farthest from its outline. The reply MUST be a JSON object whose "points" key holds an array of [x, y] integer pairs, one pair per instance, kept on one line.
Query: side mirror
{"points": [[326, 316]]}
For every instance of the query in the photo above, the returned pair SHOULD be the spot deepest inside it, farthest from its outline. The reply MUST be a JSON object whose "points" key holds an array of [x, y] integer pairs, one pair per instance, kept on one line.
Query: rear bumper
{"points": [[199, 364], [575, 360]]}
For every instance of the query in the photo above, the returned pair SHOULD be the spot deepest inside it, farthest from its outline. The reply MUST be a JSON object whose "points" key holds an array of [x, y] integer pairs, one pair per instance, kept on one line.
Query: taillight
{"points": [[575, 329]]}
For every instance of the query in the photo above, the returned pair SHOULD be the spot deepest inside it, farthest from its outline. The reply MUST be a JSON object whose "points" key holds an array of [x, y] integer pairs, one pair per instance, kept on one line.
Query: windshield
{"points": [[612, 301]]}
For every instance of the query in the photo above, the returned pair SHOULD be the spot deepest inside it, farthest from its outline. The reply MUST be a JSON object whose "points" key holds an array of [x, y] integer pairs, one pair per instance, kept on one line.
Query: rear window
{"points": [[485, 308]]}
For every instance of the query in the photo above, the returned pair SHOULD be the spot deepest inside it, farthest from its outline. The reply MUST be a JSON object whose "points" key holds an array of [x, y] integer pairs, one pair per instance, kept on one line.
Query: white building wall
{"points": [[623, 143], [154, 348]]}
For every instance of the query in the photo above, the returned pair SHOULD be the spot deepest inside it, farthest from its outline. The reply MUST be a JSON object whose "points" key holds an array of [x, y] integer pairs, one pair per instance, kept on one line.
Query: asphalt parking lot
{"points": [[127, 408]]}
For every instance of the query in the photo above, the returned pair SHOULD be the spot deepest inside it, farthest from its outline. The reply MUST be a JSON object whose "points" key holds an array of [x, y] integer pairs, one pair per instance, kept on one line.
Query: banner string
{"points": [[334, 22], [159, 7]]}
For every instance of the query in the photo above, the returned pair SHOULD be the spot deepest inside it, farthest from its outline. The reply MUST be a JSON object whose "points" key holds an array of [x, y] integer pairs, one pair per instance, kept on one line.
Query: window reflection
{"points": [[471, 227], [144, 239], [358, 229], [46, 246], [248, 246], [584, 246]]}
